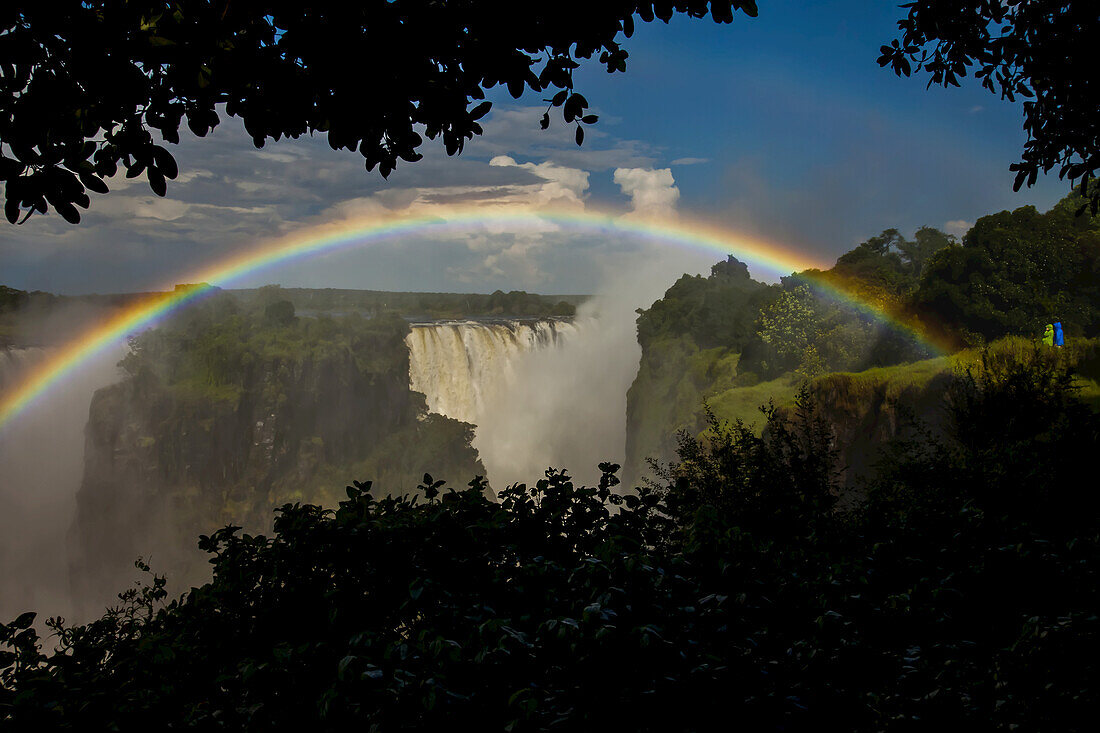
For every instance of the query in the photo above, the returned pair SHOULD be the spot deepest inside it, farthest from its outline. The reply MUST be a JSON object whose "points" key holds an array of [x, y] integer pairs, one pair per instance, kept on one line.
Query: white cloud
{"points": [[958, 227], [229, 195], [505, 249], [563, 186], [653, 193], [144, 207]]}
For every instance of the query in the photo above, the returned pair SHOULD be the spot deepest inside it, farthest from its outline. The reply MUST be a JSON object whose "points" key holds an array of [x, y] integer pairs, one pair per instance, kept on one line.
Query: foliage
{"points": [[710, 337], [889, 261], [691, 339], [1015, 272], [217, 342], [280, 313], [1036, 49], [233, 406], [789, 324], [962, 592], [85, 86], [718, 310], [338, 301]]}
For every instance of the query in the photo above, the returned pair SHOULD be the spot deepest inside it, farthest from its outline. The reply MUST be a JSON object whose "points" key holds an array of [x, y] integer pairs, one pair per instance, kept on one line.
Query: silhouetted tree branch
{"points": [[1042, 50], [85, 86]]}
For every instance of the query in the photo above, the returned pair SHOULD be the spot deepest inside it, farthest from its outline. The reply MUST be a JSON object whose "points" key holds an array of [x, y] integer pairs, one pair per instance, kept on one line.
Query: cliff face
{"points": [[674, 377], [168, 458], [865, 411]]}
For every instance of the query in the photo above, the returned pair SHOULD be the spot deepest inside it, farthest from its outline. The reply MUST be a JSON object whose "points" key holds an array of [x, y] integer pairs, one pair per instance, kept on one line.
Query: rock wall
{"points": [[166, 462]]}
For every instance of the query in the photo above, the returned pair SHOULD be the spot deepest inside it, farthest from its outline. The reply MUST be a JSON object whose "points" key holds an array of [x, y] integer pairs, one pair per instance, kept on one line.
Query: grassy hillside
{"points": [[863, 406]]}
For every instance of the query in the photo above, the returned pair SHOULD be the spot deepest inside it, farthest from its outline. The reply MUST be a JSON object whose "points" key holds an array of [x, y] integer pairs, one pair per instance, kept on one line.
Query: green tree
{"points": [[88, 87], [714, 311], [962, 591], [790, 324], [1014, 272], [280, 313]]}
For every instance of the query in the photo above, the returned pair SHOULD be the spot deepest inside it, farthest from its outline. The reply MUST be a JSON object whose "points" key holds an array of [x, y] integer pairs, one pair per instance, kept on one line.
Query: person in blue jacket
{"points": [[1059, 338]]}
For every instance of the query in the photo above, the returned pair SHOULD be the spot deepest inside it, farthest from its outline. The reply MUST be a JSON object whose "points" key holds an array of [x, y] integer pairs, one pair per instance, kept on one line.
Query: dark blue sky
{"points": [[783, 127], [799, 122]]}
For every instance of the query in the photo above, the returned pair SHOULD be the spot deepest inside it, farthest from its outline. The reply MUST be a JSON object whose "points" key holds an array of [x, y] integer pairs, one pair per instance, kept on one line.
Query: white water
{"points": [[464, 366], [41, 467], [541, 394]]}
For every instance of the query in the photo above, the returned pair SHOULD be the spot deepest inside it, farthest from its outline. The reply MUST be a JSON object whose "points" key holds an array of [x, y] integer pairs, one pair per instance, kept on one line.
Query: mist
{"points": [[565, 407], [41, 466]]}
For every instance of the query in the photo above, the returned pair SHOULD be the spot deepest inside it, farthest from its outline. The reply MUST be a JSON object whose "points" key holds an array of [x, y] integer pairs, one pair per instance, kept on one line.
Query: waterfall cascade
{"points": [[462, 367], [541, 393]]}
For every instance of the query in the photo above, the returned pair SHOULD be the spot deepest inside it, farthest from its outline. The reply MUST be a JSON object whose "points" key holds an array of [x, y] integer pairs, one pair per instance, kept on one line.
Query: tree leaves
{"points": [[95, 81], [1029, 49], [731, 590], [24, 620]]}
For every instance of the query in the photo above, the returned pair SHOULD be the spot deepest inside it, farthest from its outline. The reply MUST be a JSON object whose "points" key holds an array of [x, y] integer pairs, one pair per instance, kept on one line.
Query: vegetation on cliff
{"points": [[962, 591], [1015, 272], [230, 409], [1011, 274]]}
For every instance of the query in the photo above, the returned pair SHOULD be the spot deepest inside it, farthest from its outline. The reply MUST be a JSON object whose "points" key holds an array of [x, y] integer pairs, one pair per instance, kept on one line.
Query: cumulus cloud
{"points": [[958, 227], [653, 193], [144, 207], [509, 250], [231, 196], [561, 186]]}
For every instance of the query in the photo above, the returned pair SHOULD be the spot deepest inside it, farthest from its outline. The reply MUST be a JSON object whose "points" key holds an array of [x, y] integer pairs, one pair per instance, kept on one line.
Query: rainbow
{"points": [[689, 234]]}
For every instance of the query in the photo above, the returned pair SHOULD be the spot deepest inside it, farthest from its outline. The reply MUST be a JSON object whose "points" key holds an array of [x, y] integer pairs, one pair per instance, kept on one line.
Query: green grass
{"points": [[854, 387], [744, 403]]}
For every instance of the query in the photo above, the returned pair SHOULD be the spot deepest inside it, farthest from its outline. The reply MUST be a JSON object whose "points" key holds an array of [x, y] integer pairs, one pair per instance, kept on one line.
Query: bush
{"points": [[962, 593]]}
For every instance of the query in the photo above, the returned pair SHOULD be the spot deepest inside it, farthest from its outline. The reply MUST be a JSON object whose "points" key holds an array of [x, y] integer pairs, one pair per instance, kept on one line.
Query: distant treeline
{"points": [[516, 303], [21, 311], [1011, 274], [38, 318]]}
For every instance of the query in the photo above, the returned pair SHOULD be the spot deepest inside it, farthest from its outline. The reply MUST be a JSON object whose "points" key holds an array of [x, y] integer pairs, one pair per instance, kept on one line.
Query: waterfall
{"points": [[463, 366], [540, 393]]}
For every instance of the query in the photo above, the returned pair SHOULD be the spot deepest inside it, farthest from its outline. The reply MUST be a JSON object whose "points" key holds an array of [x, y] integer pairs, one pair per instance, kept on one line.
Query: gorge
{"points": [[227, 411]]}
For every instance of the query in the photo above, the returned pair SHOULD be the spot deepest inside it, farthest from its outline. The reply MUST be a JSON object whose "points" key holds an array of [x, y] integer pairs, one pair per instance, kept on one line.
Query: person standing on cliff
{"points": [[1048, 335], [1059, 338]]}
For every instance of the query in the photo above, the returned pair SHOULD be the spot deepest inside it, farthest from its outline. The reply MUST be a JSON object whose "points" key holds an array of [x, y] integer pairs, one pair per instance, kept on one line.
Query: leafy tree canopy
{"points": [[715, 311], [85, 86], [1015, 272], [1042, 50]]}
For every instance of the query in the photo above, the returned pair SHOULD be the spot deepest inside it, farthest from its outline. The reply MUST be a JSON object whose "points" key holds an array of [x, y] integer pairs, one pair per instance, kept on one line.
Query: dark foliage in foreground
{"points": [[964, 591]]}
